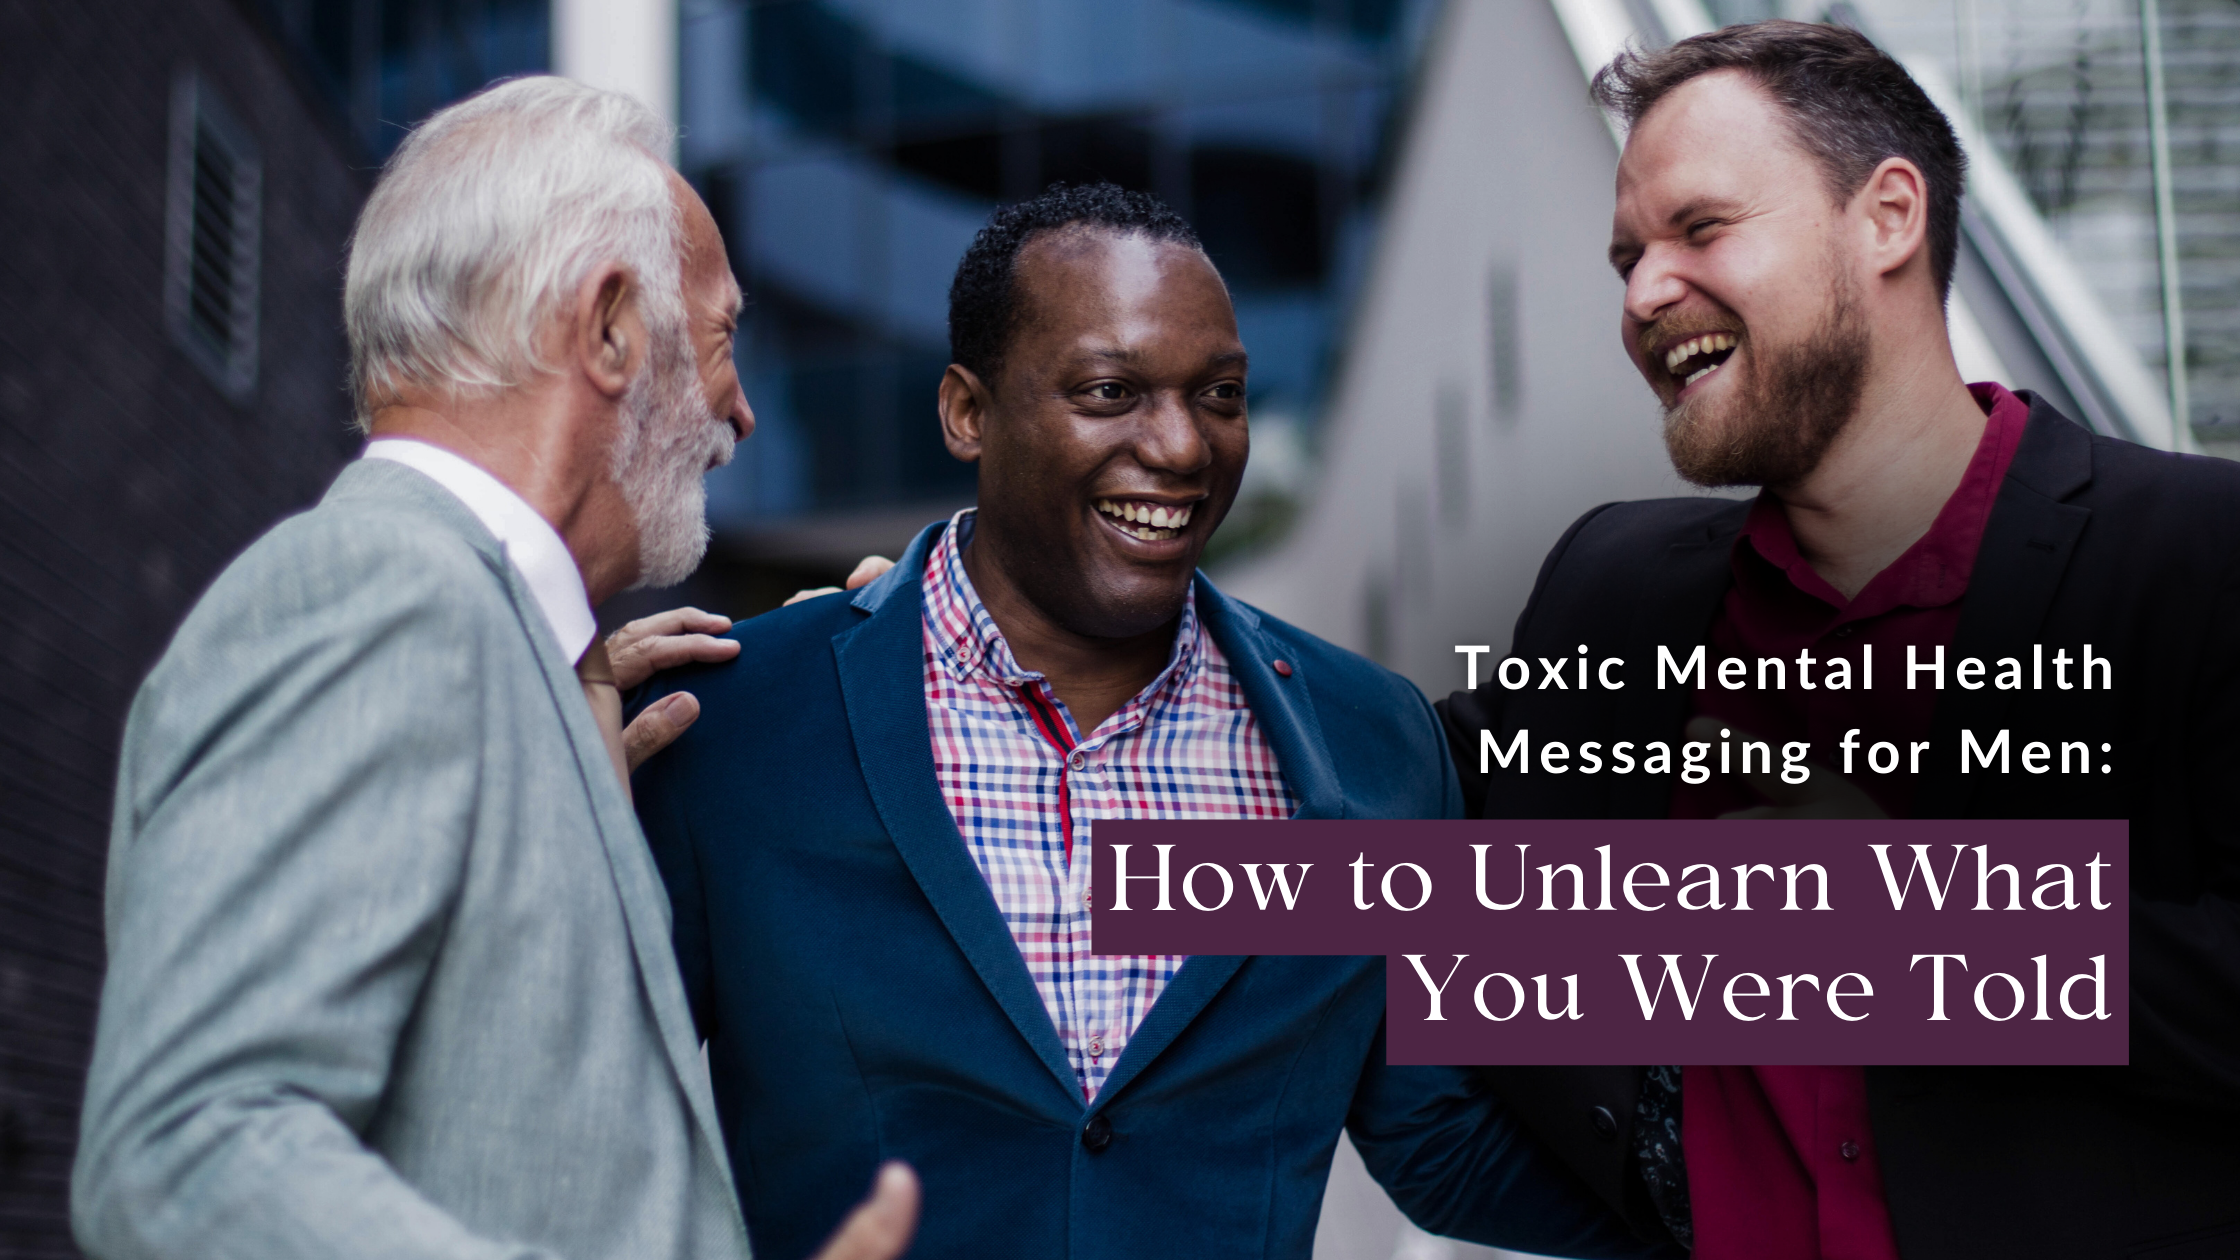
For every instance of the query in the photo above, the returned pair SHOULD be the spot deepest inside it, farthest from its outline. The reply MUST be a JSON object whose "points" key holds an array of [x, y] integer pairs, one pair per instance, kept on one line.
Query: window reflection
{"points": [[2061, 90], [851, 148]]}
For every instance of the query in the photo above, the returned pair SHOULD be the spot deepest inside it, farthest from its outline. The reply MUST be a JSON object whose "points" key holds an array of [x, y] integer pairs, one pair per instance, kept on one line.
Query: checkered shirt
{"points": [[1019, 776]]}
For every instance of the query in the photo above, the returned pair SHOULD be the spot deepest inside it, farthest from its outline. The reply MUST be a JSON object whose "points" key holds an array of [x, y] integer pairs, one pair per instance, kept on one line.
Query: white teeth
{"points": [[1152, 523], [1711, 343]]}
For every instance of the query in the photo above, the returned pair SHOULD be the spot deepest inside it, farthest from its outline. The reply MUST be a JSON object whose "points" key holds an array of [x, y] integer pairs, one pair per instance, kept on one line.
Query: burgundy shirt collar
{"points": [[1934, 571]]}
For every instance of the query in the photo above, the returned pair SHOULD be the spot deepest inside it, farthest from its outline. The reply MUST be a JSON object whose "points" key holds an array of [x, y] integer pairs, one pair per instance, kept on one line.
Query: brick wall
{"points": [[127, 480]]}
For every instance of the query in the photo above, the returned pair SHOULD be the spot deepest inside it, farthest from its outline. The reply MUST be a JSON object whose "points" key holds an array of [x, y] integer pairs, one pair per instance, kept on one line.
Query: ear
{"points": [[1895, 206], [609, 337], [964, 412]]}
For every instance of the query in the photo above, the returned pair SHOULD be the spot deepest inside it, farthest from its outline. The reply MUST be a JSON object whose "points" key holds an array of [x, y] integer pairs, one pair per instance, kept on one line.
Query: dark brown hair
{"points": [[1849, 103]]}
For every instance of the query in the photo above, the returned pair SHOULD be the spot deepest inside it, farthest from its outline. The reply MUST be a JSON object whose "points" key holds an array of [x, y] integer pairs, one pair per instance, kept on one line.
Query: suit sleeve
{"points": [[1463, 714], [2185, 954], [295, 805], [1427, 747], [1454, 1160]]}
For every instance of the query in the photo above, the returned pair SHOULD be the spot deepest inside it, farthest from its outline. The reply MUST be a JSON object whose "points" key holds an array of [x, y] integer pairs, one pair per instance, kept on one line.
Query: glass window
{"points": [[851, 149], [2121, 120], [213, 237], [387, 64]]}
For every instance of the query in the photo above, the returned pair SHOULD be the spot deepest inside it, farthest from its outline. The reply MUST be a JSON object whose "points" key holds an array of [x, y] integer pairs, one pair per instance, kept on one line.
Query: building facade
{"points": [[851, 149]]}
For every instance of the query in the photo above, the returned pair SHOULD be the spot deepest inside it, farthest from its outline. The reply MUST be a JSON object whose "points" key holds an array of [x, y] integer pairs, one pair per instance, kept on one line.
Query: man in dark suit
{"points": [[1786, 226], [875, 839]]}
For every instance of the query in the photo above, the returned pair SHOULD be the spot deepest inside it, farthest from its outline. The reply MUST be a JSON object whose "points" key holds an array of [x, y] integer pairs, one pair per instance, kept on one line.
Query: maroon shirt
{"points": [[1780, 607], [1781, 1160]]}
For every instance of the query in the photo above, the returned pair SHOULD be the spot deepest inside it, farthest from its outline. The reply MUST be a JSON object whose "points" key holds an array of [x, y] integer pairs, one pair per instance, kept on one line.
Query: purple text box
{"points": [[2071, 879]]}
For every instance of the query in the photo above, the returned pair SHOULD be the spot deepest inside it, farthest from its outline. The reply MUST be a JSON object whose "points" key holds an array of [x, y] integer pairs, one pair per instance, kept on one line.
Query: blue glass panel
{"points": [[384, 65], [850, 149]]}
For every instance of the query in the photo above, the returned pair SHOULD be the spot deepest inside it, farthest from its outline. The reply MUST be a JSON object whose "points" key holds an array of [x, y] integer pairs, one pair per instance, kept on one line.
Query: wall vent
{"points": [[213, 231]]}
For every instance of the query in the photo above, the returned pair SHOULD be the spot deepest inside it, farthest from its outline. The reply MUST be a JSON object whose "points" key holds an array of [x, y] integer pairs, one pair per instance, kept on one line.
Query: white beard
{"points": [[670, 436]]}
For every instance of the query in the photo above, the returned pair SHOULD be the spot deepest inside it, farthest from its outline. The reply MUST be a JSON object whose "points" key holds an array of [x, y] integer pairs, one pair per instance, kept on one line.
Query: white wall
{"points": [[1436, 502], [621, 45], [1360, 1223]]}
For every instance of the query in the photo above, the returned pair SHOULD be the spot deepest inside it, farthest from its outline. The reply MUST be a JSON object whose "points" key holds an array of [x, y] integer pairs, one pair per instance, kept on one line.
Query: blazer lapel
{"points": [[645, 903], [1194, 986], [2026, 548], [1285, 709], [1676, 601], [879, 661], [1284, 706]]}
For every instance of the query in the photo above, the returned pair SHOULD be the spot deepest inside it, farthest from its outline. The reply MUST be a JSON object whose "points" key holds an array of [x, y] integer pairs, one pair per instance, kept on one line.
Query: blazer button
{"points": [[1097, 1134], [1283, 668], [1605, 1124]]}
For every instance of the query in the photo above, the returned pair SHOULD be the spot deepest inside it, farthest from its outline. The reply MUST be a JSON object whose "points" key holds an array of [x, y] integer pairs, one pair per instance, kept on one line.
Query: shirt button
{"points": [[1079, 761], [1088, 901], [1849, 1151], [1096, 1047]]}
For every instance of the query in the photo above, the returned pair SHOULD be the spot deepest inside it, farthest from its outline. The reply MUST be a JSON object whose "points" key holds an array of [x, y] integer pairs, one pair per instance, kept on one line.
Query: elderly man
{"points": [[389, 961]]}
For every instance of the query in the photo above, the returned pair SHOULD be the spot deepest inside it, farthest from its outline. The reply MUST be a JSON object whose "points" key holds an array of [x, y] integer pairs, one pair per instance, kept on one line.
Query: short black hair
{"points": [[984, 308], [1850, 105]]}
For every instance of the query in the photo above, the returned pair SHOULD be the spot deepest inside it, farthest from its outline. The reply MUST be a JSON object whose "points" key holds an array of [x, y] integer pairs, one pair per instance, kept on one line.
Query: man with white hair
{"points": [[390, 970]]}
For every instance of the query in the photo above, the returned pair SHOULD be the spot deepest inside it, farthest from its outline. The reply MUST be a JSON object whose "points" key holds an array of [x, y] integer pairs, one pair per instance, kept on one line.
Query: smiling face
{"points": [[684, 411], [1741, 307], [713, 304], [1112, 441]]}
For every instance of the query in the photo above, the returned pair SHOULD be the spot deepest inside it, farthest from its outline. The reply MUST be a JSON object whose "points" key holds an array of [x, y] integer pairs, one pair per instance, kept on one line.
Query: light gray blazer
{"points": [[389, 961]]}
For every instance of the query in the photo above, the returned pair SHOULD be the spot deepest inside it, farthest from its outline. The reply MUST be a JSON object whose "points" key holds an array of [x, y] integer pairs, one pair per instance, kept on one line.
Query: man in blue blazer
{"points": [[875, 837]]}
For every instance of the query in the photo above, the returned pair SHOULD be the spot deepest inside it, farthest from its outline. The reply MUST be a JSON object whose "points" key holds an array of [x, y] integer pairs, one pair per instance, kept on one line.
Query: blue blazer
{"points": [[863, 1000]]}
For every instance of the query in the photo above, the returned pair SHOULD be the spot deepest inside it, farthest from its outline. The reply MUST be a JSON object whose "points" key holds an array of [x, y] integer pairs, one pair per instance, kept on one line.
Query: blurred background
{"points": [[1409, 198]]}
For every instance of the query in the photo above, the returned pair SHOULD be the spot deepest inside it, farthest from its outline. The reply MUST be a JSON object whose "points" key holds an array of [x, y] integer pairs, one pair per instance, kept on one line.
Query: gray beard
{"points": [[669, 437], [1786, 414]]}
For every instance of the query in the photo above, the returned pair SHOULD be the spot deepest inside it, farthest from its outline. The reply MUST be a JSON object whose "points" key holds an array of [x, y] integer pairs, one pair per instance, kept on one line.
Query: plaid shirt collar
{"points": [[968, 641]]}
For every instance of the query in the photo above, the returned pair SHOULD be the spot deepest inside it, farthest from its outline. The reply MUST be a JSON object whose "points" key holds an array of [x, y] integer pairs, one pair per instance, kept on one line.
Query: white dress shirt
{"points": [[529, 540]]}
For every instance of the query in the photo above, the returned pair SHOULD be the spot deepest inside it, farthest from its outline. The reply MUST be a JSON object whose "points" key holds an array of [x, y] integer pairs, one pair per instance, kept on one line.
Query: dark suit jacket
{"points": [[863, 999], [2091, 540]]}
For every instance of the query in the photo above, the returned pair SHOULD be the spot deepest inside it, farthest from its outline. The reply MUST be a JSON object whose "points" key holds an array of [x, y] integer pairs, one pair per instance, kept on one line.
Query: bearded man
{"points": [[389, 968], [1787, 224]]}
